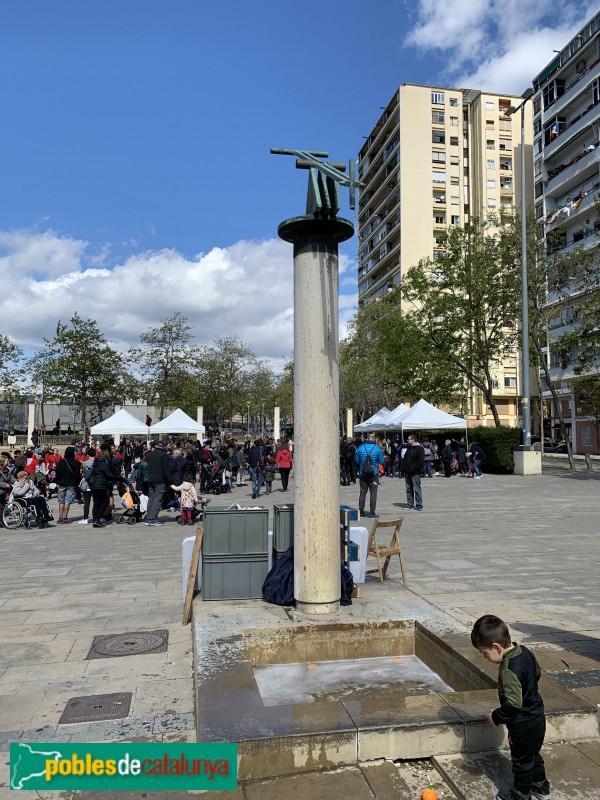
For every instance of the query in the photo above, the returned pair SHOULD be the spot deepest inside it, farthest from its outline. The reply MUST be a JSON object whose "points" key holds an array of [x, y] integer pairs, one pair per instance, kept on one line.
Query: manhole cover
{"points": [[576, 680], [128, 644], [95, 707]]}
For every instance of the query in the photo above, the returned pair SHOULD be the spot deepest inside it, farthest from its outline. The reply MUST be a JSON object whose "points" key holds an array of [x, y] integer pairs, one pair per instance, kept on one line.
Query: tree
{"points": [[462, 303], [223, 375], [164, 360], [284, 389], [84, 366], [588, 402], [39, 371], [550, 275], [10, 361]]}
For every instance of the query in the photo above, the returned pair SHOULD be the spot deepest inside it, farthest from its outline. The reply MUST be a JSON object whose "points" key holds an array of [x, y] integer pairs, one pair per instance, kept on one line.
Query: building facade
{"points": [[438, 157], [566, 109]]}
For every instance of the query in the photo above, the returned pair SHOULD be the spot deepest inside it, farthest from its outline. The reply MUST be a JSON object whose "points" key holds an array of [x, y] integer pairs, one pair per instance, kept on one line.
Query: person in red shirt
{"points": [[32, 461], [52, 459]]}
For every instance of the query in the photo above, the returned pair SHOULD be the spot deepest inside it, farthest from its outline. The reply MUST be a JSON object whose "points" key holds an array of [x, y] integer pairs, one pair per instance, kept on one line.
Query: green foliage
{"points": [[497, 444], [465, 301], [224, 375], [83, 366], [10, 359], [164, 360]]}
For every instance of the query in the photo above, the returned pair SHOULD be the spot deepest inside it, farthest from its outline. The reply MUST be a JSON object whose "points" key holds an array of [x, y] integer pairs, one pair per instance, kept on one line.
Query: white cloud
{"points": [[244, 289], [499, 45]]}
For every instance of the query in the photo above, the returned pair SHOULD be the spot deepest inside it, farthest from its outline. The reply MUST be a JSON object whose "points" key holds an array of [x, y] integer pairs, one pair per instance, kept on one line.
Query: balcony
{"points": [[590, 74], [583, 203], [564, 176], [571, 129]]}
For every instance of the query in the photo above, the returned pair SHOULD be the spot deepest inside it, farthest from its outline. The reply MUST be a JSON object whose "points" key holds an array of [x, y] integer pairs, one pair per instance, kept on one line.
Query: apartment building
{"points": [[566, 119], [438, 157]]}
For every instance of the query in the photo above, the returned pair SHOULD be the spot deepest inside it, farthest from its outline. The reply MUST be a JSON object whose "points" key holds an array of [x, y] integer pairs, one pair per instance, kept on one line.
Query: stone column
{"points": [[117, 436], [317, 585], [276, 425], [349, 423], [200, 415], [30, 422]]}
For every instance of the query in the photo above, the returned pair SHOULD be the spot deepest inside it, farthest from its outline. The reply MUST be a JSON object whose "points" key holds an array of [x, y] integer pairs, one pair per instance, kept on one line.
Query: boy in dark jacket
{"points": [[521, 707]]}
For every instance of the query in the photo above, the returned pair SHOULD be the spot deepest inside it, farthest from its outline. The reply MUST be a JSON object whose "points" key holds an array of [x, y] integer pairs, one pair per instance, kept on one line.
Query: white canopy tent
{"points": [[178, 422], [365, 426], [424, 416], [391, 417], [121, 423]]}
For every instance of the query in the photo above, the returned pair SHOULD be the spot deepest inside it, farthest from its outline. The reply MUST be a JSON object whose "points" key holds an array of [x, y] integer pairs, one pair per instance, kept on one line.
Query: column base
{"points": [[527, 462], [317, 609]]}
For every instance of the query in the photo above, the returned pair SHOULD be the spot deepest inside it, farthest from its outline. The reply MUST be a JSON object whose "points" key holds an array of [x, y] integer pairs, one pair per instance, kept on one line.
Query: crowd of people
{"points": [[412, 460], [166, 474]]}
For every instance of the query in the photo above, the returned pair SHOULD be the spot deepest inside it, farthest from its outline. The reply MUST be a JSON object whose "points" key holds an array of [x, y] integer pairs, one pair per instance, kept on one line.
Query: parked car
{"points": [[561, 448]]}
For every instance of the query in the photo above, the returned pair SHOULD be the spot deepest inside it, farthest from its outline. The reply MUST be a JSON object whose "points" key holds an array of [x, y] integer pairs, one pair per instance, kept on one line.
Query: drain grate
{"points": [[576, 680], [96, 707], [128, 644]]}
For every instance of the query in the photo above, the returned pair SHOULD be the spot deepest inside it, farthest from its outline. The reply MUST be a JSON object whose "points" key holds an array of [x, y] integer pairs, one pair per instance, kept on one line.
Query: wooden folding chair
{"points": [[381, 551]]}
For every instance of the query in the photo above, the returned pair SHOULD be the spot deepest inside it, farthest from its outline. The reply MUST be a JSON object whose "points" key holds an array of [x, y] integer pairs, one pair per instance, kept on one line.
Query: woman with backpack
{"points": [[284, 463]]}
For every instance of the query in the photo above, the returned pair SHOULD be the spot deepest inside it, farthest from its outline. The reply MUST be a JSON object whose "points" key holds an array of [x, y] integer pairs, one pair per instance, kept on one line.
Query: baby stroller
{"points": [[135, 504], [209, 481]]}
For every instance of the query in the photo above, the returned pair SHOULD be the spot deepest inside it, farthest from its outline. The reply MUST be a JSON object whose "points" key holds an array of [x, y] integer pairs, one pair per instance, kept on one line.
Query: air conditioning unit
{"points": [[581, 65]]}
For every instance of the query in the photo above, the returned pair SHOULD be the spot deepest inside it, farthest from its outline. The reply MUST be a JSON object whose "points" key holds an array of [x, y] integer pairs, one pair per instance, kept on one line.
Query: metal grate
{"points": [[96, 707], [129, 644], [576, 680]]}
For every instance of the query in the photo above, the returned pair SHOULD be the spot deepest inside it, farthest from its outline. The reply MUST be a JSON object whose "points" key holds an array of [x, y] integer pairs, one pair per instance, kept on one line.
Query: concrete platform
{"points": [[231, 638]]}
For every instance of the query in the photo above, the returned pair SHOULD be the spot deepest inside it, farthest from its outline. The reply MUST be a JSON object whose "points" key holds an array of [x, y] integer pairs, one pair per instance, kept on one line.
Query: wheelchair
{"points": [[18, 513]]}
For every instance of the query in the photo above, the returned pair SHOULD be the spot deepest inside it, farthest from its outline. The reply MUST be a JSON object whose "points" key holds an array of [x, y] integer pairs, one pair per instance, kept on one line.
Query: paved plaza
{"points": [[524, 548]]}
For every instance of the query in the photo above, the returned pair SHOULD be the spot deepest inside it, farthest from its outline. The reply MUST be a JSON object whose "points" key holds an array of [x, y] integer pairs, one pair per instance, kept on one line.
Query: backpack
{"points": [[368, 469]]}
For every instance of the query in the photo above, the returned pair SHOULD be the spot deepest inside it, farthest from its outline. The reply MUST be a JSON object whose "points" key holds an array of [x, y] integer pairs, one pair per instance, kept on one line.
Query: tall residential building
{"points": [[438, 157], [566, 109]]}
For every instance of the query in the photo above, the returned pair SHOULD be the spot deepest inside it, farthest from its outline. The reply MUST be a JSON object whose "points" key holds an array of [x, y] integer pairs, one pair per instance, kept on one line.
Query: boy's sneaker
{"points": [[419, 508], [541, 791], [512, 794], [406, 506]]}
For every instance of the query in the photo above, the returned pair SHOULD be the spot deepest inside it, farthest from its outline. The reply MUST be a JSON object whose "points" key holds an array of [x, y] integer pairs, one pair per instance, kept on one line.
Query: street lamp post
{"points": [[525, 397]]}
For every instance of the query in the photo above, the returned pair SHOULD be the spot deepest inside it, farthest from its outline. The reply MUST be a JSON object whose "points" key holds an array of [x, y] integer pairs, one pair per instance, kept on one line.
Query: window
{"points": [[539, 210], [454, 159], [438, 219], [537, 105], [437, 98], [465, 152], [491, 184], [491, 202], [455, 219], [495, 383], [439, 197], [454, 181], [454, 121], [489, 105], [537, 127], [454, 102], [510, 382], [491, 164], [490, 144], [553, 129], [537, 170], [438, 176], [438, 117], [438, 157], [505, 125], [438, 137], [454, 141], [455, 201], [596, 89], [552, 91], [489, 124], [585, 434]]}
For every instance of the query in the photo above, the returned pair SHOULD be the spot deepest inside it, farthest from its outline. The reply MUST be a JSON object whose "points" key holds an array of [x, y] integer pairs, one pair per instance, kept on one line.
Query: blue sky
{"points": [[136, 174]]}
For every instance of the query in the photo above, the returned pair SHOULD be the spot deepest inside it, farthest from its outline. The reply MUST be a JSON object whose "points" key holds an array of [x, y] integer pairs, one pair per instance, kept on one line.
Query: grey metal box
{"points": [[283, 527], [234, 532], [233, 577]]}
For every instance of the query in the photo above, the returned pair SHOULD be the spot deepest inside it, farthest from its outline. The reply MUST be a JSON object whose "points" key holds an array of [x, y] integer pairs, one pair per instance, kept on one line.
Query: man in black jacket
{"points": [[412, 466], [159, 477]]}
